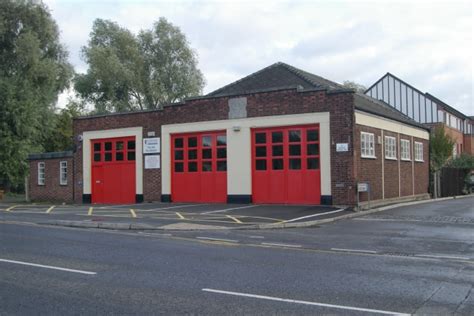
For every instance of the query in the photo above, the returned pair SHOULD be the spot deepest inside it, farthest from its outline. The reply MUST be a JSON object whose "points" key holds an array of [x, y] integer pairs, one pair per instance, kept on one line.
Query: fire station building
{"points": [[280, 135]]}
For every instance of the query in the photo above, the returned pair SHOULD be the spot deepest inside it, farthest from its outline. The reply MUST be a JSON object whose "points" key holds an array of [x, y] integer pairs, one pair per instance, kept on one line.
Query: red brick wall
{"points": [[340, 106], [369, 169], [422, 169], [398, 175], [51, 190], [469, 144]]}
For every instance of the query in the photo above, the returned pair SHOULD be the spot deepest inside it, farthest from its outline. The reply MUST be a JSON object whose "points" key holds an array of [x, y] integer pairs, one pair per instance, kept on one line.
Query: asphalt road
{"points": [[417, 259]]}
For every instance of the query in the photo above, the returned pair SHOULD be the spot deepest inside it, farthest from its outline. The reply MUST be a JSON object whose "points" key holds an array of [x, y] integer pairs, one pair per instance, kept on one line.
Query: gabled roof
{"points": [[278, 75], [281, 75], [426, 94]]}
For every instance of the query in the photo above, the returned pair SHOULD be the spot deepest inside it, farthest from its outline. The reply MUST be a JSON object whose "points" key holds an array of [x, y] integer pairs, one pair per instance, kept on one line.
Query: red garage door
{"points": [[113, 170], [285, 165], [199, 167]]}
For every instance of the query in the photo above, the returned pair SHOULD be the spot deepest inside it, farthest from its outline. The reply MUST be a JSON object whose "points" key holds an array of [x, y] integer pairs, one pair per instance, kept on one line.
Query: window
{"points": [[40, 173], [390, 148], [418, 151], [455, 150], [404, 149], [367, 145], [63, 173]]}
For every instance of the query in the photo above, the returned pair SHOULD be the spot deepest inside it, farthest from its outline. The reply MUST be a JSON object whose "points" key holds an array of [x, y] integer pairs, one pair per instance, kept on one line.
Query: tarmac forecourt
{"points": [[186, 216], [191, 215]]}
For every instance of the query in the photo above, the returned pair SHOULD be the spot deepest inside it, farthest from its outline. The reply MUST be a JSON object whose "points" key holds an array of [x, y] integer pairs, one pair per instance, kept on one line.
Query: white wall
{"points": [[111, 133], [239, 146]]}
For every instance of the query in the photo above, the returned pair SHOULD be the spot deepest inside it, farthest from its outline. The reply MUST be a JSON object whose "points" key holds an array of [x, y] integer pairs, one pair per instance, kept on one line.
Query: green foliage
{"points": [[354, 85], [464, 161], [33, 71], [128, 72], [441, 148], [61, 138]]}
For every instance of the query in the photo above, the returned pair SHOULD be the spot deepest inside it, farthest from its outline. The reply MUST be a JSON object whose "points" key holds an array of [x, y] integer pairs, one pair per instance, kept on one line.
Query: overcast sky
{"points": [[428, 44]]}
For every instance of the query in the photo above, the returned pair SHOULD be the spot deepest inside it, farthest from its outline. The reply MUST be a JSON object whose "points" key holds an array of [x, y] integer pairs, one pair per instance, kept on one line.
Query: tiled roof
{"points": [[370, 105], [280, 75]]}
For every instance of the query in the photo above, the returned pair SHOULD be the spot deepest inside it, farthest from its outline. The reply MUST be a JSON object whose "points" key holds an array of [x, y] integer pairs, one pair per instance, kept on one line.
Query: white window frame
{"points": [[367, 145], [41, 173], [418, 152], [390, 148], [63, 171], [405, 149]]}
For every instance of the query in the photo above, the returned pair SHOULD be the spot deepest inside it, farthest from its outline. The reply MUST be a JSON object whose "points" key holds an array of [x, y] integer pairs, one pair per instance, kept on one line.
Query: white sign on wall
{"points": [[362, 187], [152, 162], [151, 145], [342, 147]]}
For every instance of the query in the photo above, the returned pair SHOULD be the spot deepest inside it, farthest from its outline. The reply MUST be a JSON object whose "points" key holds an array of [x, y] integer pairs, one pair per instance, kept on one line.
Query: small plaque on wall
{"points": [[152, 162], [151, 145], [341, 147]]}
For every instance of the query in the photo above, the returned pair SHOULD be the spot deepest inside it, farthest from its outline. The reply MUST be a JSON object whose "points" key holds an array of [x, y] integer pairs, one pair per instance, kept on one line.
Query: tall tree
{"points": [[128, 72], [441, 149], [33, 71], [170, 65], [61, 138]]}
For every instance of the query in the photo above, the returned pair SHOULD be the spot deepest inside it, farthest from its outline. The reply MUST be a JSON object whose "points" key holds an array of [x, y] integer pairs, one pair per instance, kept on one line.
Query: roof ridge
{"points": [[242, 79], [304, 75]]}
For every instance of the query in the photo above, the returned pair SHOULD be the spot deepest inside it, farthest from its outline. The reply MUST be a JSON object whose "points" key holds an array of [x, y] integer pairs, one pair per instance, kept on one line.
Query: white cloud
{"points": [[428, 44]]}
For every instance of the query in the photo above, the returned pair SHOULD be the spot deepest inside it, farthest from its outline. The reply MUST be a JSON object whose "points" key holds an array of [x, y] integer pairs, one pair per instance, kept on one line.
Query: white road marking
{"points": [[280, 245], [286, 300], [257, 237], [313, 215], [353, 250], [217, 239], [229, 209], [47, 267], [442, 257]]}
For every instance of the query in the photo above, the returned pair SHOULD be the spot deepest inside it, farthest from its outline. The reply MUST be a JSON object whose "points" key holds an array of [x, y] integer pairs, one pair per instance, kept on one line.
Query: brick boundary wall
{"points": [[52, 190], [283, 102]]}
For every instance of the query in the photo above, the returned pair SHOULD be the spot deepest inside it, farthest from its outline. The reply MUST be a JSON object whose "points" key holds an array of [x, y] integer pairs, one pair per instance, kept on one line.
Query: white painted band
{"points": [[370, 120], [272, 298], [46, 266]]}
